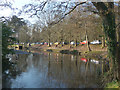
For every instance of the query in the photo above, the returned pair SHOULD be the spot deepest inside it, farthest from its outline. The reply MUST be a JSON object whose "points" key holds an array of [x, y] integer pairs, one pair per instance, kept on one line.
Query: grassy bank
{"points": [[113, 84]]}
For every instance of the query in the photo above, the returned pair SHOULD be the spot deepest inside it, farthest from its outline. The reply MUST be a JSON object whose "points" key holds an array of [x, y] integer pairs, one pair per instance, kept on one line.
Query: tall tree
{"points": [[16, 23], [106, 11]]}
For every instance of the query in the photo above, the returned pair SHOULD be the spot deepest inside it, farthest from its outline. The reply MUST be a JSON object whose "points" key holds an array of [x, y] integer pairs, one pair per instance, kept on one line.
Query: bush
{"points": [[74, 52], [49, 50], [65, 51]]}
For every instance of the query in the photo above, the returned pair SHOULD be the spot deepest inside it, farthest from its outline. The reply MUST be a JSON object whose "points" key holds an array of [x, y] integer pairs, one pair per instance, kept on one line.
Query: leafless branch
{"points": [[68, 13], [117, 25]]}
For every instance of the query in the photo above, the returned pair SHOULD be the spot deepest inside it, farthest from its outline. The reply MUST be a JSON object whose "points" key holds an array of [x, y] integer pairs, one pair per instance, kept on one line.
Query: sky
{"points": [[6, 12]]}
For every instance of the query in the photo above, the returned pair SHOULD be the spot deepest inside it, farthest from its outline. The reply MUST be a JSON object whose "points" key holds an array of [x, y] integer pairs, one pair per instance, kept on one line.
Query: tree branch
{"points": [[117, 25], [68, 13]]}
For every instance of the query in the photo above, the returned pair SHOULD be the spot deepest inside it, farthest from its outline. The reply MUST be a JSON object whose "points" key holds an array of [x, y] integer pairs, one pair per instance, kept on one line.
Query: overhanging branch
{"points": [[68, 13]]}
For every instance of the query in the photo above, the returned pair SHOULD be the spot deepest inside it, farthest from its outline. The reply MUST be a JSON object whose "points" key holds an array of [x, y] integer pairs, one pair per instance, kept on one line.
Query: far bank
{"points": [[96, 50]]}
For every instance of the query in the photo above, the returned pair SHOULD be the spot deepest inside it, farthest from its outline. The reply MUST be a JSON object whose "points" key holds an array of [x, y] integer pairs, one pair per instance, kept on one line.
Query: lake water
{"points": [[53, 70]]}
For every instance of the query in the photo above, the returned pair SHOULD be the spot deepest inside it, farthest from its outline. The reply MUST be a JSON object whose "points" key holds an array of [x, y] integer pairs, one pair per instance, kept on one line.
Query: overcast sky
{"points": [[18, 4], [7, 12]]}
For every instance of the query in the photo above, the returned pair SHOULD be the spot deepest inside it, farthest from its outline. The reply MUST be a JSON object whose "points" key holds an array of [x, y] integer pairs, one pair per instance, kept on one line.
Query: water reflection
{"points": [[94, 61], [84, 59], [51, 70]]}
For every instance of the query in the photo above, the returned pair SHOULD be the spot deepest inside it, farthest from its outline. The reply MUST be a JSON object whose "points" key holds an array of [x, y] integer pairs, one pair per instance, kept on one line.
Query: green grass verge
{"points": [[113, 84]]}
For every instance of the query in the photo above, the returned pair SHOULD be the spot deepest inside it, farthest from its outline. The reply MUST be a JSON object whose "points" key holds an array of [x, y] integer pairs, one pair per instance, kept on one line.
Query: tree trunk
{"points": [[106, 11], [70, 40], [62, 38], [103, 41], [76, 42], [87, 42], [49, 42], [108, 16], [49, 38], [103, 38], [110, 34], [118, 43]]}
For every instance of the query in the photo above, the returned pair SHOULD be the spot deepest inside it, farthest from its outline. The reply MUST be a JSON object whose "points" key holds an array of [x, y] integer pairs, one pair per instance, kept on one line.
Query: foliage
{"points": [[6, 38], [65, 51], [49, 50], [74, 52], [16, 24]]}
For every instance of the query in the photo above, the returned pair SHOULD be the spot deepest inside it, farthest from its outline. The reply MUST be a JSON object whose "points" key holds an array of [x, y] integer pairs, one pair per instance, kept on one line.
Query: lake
{"points": [[52, 70]]}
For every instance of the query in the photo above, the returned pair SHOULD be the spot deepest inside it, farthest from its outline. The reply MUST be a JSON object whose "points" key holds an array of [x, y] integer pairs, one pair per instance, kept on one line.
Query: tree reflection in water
{"points": [[51, 70]]}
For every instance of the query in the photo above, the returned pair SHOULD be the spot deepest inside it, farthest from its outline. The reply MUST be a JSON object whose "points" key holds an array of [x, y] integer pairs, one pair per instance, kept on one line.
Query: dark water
{"points": [[53, 70]]}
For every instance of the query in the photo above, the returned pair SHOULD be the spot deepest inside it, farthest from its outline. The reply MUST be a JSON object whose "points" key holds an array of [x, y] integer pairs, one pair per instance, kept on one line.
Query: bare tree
{"points": [[106, 12]]}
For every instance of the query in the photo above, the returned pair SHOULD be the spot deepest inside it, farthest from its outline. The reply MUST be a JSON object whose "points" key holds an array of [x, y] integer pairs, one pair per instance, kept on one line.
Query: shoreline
{"points": [[96, 50]]}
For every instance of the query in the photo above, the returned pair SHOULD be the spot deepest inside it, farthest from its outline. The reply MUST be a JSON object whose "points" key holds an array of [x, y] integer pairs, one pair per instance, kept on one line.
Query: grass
{"points": [[96, 52], [113, 84], [93, 52]]}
